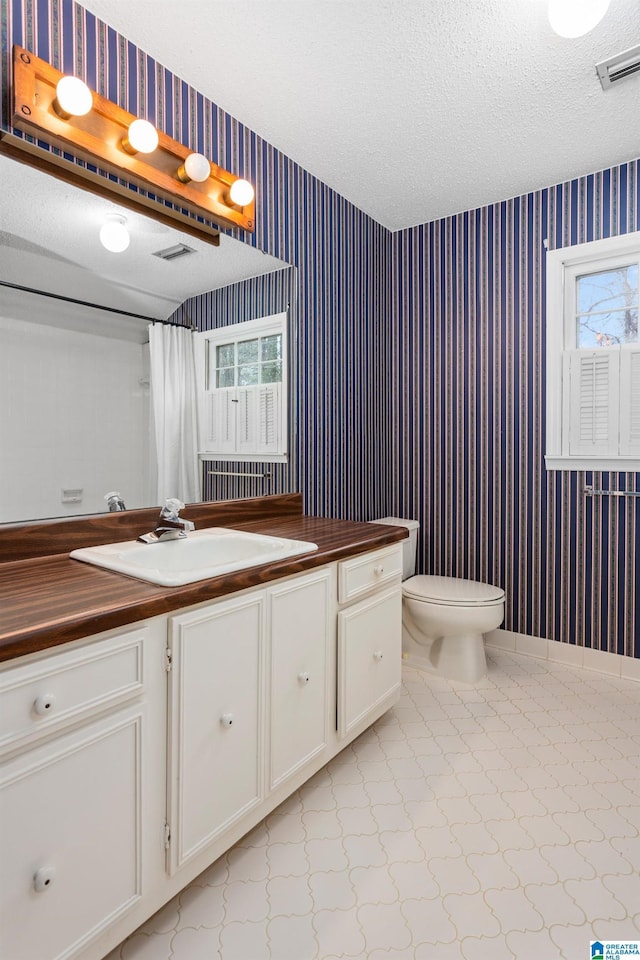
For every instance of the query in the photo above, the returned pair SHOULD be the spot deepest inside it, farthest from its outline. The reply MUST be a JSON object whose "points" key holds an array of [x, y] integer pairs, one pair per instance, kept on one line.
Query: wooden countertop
{"points": [[50, 600]]}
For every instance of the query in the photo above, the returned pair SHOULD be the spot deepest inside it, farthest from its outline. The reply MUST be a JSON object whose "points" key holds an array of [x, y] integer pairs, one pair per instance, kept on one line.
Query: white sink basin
{"points": [[199, 556]]}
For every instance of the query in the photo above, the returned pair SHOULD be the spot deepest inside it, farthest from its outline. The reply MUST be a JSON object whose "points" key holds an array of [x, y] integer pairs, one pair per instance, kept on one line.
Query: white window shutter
{"points": [[270, 419], [247, 420], [247, 423], [630, 402], [219, 421], [593, 401]]}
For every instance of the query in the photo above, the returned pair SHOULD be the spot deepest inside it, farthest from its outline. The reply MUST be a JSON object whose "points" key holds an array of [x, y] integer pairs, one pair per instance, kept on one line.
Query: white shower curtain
{"points": [[173, 397]]}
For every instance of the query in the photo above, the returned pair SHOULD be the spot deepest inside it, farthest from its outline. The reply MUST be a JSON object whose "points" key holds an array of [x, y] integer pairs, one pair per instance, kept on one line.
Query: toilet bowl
{"points": [[444, 619]]}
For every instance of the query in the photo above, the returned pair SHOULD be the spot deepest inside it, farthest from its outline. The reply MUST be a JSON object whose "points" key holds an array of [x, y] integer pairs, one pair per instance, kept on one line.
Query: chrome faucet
{"points": [[115, 502], [171, 526]]}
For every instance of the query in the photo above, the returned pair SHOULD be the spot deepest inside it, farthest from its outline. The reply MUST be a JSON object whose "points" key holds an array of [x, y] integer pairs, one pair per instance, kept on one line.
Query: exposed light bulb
{"points": [[114, 235], [574, 18], [73, 98], [196, 167], [142, 137], [241, 192]]}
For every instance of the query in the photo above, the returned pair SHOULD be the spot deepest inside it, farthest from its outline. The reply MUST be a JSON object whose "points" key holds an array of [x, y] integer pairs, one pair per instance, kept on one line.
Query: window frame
{"points": [[209, 340], [563, 266]]}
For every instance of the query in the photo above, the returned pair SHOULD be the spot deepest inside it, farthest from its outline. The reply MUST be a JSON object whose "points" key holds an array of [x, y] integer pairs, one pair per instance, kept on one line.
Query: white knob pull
{"points": [[227, 719], [377, 655], [378, 570], [304, 677], [43, 878], [44, 704]]}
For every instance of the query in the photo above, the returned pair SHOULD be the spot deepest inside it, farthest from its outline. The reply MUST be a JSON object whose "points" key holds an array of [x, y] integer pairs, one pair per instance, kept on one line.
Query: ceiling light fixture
{"points": [[142, 137], [196, 167], [114, 235], [170, 178], [73, 98], [241, 193], [574, 18]]}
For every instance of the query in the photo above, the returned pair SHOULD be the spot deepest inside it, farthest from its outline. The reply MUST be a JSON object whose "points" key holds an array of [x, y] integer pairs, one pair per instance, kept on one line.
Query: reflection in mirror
{"points": [[74, 329]]}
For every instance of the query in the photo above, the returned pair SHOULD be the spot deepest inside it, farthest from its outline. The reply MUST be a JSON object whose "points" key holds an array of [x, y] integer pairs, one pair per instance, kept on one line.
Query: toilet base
{"points": [[459, 658]]}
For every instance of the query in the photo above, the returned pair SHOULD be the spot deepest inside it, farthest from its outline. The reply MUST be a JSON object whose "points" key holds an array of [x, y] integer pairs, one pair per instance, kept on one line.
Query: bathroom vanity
{"points": [[144, 730]]}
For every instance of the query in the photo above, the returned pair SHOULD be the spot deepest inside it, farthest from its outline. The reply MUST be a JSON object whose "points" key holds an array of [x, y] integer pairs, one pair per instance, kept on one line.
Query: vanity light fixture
{"points": [[241, 193], [196, 167], [574, 18], [73, 98], [142, 137], [170, 172], [114, 235]]}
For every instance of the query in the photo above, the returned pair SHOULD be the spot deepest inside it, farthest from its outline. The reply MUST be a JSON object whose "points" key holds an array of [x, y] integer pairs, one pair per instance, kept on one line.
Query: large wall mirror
{"points": [[74, 364]]}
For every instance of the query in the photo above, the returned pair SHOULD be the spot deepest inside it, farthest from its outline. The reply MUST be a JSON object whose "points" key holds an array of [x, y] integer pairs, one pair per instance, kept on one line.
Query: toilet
{"points": [[444, 619]]}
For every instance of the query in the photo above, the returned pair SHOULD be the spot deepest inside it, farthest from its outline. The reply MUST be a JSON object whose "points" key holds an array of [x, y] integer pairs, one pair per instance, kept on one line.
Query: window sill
{"points": [[614, 464], [243, 458]]}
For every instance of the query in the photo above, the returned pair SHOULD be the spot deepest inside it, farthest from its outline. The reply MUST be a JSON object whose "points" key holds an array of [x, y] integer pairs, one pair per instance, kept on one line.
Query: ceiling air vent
{"points": [[173, 253], [619, 67]]}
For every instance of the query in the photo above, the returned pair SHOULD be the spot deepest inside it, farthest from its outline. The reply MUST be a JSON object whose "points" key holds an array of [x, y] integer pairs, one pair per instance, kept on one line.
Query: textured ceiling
{"points": [[411, 109]]}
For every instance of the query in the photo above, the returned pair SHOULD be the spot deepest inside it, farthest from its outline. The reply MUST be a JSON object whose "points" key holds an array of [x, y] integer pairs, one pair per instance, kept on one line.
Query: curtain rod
{"points": [[87, 303]]}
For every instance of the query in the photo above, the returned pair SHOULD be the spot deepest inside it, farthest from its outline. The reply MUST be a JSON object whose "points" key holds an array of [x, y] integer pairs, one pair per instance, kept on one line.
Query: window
{"points": [[242, 378], [593, 356]]}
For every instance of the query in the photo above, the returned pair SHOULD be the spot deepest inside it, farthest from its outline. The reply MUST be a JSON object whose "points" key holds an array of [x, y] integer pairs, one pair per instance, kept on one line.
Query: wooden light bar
{"points": [[97, 138]]}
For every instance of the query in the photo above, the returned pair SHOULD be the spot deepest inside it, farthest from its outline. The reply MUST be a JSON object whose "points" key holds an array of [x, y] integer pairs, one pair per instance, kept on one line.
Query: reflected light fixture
{"points": [[114, 235], [241, 193], [73, 98], [196, 167], [574, 18], [142, 137]]}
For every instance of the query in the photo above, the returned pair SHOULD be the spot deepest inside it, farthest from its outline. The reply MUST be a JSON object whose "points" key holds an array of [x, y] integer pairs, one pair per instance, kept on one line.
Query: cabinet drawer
{"points": [[42, 697], [359, 576]]}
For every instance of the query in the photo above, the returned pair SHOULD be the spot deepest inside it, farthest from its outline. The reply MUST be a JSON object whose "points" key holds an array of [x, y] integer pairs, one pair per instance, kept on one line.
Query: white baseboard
{"points": [[611, 664]]}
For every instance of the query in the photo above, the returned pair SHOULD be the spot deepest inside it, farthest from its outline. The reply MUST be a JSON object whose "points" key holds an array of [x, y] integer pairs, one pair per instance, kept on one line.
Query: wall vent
{"points": [[173, 253], [618, 68]]}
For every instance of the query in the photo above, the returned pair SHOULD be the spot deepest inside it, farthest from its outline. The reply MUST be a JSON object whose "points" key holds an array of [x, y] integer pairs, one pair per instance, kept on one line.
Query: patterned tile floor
{"points": [[501, 821]]}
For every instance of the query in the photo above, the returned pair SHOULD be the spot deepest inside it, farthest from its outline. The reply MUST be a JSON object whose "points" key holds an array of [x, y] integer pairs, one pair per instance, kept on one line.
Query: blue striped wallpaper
{"points": [[420, 354], [468, 312]]}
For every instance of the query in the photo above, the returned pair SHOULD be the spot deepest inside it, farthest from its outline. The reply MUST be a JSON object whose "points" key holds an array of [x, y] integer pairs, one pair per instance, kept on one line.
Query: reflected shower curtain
{"points": [[173, 398]]}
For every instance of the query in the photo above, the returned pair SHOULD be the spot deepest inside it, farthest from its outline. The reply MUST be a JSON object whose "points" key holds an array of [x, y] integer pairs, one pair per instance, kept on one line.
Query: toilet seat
{"points": [[452, 591]]}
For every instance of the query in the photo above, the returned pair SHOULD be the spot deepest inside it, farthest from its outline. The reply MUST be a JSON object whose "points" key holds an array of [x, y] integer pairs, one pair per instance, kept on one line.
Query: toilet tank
{"points": [[408, 546]]}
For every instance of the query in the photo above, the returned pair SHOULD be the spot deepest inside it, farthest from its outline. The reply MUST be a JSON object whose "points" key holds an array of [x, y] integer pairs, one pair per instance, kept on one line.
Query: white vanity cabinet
{"points": [[131, 760], [369, 637], [73, 784], [249, 700]]}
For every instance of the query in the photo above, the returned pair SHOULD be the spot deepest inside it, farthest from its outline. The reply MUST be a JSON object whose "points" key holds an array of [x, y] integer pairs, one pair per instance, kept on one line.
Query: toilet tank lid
{"points": [[451, 590], [398, 522]]}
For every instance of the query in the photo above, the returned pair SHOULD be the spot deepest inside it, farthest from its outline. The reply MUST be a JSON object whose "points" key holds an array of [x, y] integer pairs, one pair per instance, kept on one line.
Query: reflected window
{"points": [[246, 363], [242, 374]]}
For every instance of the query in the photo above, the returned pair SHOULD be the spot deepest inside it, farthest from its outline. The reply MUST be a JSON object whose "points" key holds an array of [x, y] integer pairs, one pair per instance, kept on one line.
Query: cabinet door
{"points": [[301, 631], [70, 841], [369, 656], [216, 721]]}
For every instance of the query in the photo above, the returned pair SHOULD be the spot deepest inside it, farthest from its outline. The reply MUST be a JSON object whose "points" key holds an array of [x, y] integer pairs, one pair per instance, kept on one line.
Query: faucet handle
{"points": [[114, 501], [171, 508]]}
